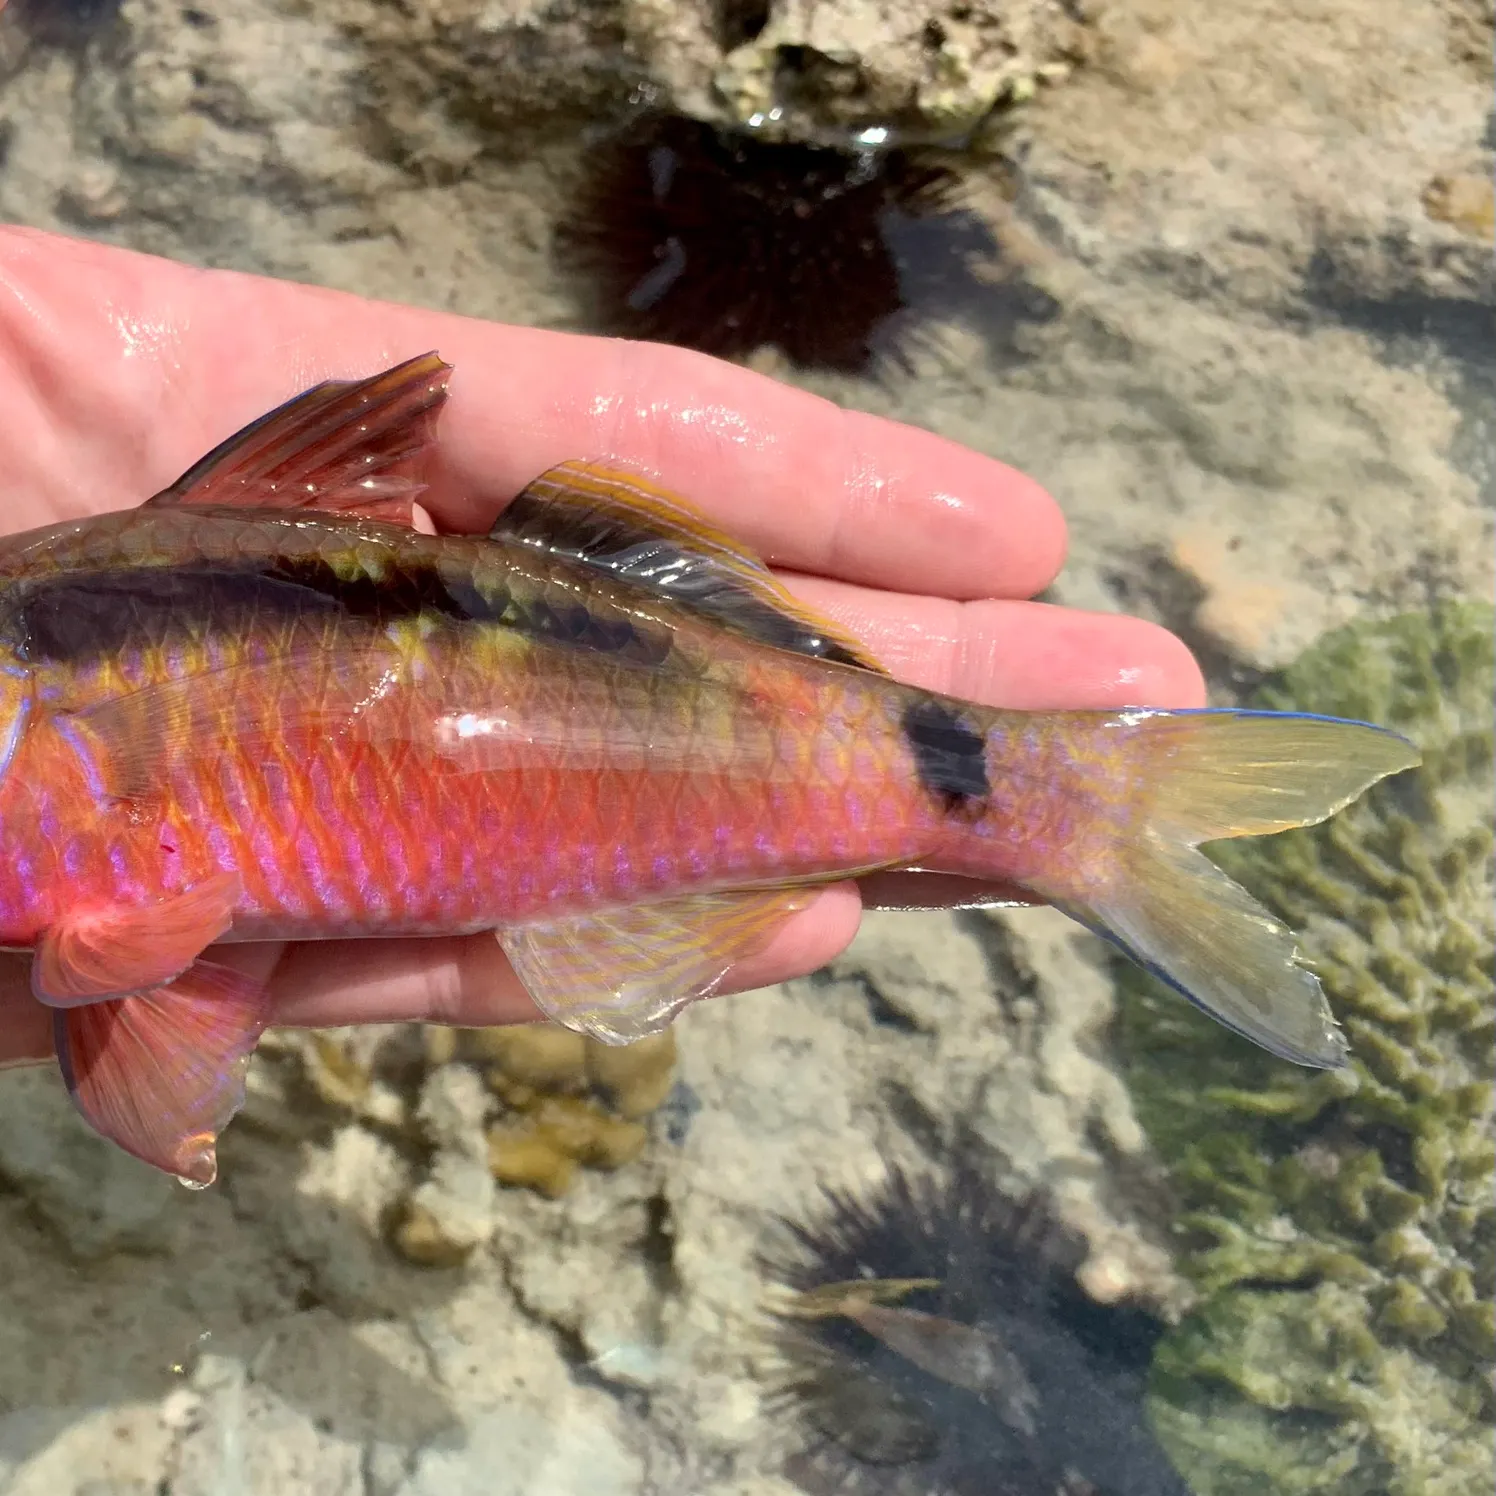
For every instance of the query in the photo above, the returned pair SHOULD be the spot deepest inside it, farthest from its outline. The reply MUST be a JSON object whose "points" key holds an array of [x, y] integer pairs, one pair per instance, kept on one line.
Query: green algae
{"points": [[1341, 1228]]}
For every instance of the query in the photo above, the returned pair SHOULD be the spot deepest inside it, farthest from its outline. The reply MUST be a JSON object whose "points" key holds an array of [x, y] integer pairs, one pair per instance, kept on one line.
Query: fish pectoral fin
{"points": [[348, 446], [162, 1073], [629, 528], [624, 974], [93, 954]]}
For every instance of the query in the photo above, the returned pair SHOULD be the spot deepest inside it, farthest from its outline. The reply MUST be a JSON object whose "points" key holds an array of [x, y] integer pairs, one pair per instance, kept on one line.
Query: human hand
{"points": [[118, 371]]}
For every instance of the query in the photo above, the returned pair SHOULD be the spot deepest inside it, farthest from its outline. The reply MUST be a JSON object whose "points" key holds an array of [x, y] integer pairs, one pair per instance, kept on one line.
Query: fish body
{"points": [[497, 774], [265, 706]]}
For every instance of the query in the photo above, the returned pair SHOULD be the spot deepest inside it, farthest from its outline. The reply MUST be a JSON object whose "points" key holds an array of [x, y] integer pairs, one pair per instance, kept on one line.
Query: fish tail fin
{"points": [[1217, 774]]}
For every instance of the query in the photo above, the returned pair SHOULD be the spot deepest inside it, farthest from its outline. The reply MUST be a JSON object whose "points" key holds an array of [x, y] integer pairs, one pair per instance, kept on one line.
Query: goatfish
{"points": [[264, 705]]}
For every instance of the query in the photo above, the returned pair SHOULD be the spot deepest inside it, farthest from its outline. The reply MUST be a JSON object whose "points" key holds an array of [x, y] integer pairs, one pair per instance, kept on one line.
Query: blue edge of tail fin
{"points": [[1245, 711]]}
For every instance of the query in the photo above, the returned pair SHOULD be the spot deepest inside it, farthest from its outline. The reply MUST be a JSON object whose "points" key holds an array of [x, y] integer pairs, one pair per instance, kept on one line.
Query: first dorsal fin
{"points": [[347, 446], [650, 538]]}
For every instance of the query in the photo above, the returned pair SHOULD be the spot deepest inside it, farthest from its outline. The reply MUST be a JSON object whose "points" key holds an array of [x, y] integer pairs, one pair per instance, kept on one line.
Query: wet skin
{"points": [[118, 371]]}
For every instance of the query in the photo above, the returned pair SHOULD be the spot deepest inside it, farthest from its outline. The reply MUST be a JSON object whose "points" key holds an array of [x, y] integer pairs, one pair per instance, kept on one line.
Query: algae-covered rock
{"points": [[1341, 1227]]}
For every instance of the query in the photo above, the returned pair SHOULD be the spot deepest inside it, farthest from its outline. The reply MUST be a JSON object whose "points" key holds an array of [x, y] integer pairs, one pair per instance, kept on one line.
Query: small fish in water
{"points": [[263, 706], [969, 1356]]}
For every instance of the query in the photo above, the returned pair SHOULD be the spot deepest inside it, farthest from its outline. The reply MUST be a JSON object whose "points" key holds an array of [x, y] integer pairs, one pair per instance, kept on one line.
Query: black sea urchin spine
{"points": [[681, 232]]}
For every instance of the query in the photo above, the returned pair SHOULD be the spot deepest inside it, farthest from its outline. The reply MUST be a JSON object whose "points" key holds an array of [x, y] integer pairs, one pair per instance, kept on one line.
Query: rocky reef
{"points": [[524, 1107], [1341, 1227], [797, 67]]}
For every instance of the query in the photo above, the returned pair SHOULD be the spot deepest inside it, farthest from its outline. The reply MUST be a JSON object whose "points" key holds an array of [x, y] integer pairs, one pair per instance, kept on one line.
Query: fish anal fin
{"points": [[643, 534], [347, 446], [624, 974], [162, 1073], [92, 954]]}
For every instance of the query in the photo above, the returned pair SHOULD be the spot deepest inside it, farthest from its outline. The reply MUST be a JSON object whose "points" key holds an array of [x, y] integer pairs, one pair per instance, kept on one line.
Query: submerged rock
{"points": [[934, 64], [1341, 1227], [98, 1200], [798, 67]]}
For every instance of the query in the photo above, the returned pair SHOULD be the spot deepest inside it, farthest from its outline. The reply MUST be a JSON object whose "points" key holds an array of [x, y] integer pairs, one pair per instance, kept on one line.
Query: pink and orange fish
{"points": [[264, 706]]}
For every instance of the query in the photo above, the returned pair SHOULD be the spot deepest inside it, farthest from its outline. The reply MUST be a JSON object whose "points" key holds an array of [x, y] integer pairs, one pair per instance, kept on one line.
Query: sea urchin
{"points": [[681, 232], [938, 1344]]}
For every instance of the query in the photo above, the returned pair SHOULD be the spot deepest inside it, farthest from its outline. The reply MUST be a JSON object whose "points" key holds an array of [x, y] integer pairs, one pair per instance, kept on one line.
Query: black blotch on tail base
{"points": [[864, 1420], [715, 239], [950, 755]]}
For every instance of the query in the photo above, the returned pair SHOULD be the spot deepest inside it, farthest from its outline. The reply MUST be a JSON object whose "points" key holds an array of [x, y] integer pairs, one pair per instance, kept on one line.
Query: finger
{"points": [[466, 981], [165, 361], [909, 889], [1021, 655]]}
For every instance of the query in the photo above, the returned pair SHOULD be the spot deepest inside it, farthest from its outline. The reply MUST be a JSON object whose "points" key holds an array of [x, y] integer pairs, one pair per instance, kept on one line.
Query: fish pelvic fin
{"points": [[623, 974], [1218, 774], [354, 446], [161, 1074]]}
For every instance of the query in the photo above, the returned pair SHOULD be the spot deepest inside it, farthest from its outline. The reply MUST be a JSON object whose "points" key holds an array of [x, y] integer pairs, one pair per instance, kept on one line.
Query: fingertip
{"points": [[1034, 513], [1128, 661], [1161, 667], [926, 514], [25, 1026], [1042, 657]]}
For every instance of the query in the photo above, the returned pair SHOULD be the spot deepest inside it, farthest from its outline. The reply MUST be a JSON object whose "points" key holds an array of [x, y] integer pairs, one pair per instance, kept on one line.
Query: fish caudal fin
{"points": [[161, 1074], [1219, 774]]}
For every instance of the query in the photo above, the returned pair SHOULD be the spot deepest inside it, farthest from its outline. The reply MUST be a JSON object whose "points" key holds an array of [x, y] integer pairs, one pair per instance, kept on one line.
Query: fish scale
{"points": [[396, 798], [265, 706]]}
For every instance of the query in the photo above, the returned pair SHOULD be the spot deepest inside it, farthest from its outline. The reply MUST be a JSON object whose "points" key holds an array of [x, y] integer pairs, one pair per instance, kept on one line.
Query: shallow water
{"points": [[1228, 292]]}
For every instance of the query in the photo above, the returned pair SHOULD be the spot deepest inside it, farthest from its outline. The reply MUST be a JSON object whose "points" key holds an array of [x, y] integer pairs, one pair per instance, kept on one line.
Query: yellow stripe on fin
{"points": [[626, 973], [646, 536]]}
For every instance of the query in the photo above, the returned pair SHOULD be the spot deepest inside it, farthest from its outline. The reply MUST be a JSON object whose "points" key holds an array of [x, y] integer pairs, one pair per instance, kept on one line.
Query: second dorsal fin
{"points": [[644, 535]]}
